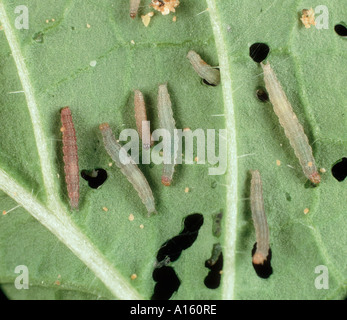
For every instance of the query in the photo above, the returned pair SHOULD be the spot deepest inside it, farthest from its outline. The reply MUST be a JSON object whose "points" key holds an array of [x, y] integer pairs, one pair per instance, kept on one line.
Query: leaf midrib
{"points": [[55, 217], [230, 219]]}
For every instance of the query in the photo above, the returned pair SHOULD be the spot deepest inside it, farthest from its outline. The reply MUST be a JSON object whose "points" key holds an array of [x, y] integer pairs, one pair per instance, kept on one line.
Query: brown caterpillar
{"points": [[134, 7], [259, 219], [143, 126], [70, 157]]}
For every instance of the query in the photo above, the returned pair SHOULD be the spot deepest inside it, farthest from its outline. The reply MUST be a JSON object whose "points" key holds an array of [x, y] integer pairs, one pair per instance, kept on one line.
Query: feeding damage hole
{"points": [[341, 30], [174, 247], [259, 51], [339, 169], [165, 276], [95, 177], [167, 283], [262, 95], [263, 270], [215, 264]]}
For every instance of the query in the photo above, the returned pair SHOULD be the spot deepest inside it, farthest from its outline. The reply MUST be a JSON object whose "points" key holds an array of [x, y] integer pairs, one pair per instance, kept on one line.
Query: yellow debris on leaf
{"points": [[165, 6], [308, 18], [133, 276], [146, 19]]}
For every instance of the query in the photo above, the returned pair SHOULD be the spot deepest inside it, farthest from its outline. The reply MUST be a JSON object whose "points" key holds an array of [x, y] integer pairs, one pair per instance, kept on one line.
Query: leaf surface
{"points": [[91, 56]]}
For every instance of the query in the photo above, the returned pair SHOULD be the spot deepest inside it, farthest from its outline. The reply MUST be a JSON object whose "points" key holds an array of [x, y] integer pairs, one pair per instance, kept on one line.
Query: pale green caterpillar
{"points": [[128, 167], [291, 125], [167, 122], [205, 71]]}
